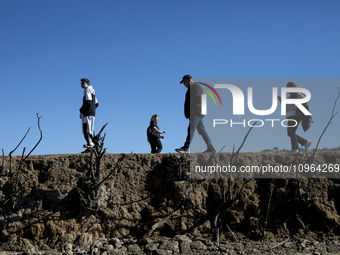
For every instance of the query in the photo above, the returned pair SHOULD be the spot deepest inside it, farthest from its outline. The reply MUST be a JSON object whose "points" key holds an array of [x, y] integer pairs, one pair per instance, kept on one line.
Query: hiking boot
{"points": [[294, 151], [182, 150], [307, 144]]}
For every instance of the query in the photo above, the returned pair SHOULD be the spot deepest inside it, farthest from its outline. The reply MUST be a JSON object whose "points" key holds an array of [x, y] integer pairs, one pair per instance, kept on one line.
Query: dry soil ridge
{"points": [[145, 188]]}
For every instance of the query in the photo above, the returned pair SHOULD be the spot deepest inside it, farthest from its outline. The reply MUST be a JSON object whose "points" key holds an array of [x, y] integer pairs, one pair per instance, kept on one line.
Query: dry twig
{"points": [[174, 213], [15, 190], [225, 203], [280, 243], [109, 175], [329, 122], [160, 223], [39, 139], [3, 161], [10, 154], [270, 198], [99, 153]]}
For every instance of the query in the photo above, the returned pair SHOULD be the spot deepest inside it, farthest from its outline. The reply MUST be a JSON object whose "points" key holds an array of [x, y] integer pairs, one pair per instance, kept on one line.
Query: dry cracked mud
{"points": [[50, 206]]}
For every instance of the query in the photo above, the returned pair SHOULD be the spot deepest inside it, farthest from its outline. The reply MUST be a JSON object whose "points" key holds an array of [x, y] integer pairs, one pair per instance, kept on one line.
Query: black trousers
{"points": [[156, 145], [294, 138]]}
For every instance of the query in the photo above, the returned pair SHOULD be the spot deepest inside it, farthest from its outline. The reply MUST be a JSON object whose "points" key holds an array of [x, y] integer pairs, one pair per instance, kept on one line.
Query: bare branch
{"points": [[280, 243], [10, 154], [238, 151], [225, 203], [100, 132], [176, 211], [15, 190], [99, 152], [224, 206], [112, 172], [91, 165], [270, 198], [19, 170], [3, 172], [232, 233], [157, 225], [3, 160], [39, 139], [20, 142], [329, 122], [221, 149]]}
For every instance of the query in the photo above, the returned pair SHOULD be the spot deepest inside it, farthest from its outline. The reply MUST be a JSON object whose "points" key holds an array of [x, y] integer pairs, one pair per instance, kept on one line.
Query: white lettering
{"points": [[254, 123], [219, 122], [262, 112], [272, 120], [238, 123], [297, 101], [288, 121]]}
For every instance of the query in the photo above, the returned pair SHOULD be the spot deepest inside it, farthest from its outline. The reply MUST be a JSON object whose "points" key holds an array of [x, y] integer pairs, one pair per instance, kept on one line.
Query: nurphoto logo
{"points": [[268, 107], [238, 99], [239, 105]]}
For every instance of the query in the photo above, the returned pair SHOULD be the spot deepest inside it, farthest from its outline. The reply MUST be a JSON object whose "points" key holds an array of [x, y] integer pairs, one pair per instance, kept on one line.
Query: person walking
{"points": [[154, 135], [294, 120], [192, 111], [88, 112]]}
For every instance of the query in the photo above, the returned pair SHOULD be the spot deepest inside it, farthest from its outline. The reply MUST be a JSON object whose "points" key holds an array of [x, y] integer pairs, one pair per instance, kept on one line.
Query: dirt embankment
{"points": [[52, 201]]}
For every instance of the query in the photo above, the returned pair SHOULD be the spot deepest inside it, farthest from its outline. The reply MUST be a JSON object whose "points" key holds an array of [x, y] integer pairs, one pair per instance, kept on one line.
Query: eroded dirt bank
{"points": [[54, 202]]}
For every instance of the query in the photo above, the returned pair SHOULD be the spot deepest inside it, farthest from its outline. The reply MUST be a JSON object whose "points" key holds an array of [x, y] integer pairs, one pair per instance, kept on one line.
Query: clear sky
{"points": [[136, 52]]}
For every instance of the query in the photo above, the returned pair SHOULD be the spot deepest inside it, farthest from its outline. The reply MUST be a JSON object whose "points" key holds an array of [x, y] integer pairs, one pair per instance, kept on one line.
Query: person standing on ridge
{"points": [[192, 111], [88, 112], [294, 120]]}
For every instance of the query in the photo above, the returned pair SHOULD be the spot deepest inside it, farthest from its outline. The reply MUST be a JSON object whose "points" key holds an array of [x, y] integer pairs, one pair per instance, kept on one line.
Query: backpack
{"points": [[150, 133]]}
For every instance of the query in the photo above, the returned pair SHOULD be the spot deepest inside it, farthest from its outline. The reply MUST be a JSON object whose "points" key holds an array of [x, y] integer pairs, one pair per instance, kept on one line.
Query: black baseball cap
{"points": [[185, 77]]}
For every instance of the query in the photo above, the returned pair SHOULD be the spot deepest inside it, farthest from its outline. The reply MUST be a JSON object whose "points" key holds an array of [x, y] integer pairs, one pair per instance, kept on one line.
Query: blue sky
{"points": [[135, 53]]}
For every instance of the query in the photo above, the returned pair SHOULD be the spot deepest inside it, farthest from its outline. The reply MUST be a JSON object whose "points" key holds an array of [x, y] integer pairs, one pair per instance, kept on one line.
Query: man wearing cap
{"points": [[192, 111]]}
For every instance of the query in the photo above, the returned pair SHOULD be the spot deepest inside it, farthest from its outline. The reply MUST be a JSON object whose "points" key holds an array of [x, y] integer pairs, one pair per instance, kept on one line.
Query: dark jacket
{"points": [[192, 104], [306, 120], [90, 102], [151, 132]]}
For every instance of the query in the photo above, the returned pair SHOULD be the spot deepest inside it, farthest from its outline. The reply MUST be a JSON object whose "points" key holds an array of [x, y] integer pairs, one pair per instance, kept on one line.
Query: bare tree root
{"points": [[109, 175], [89, 194], [160, 223], [104, 240], [15, 189], [302, 195], [98, 152], [270, 199], [231, 200], [280, 243], [176, 212], [224, 206], [232, 233]]}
